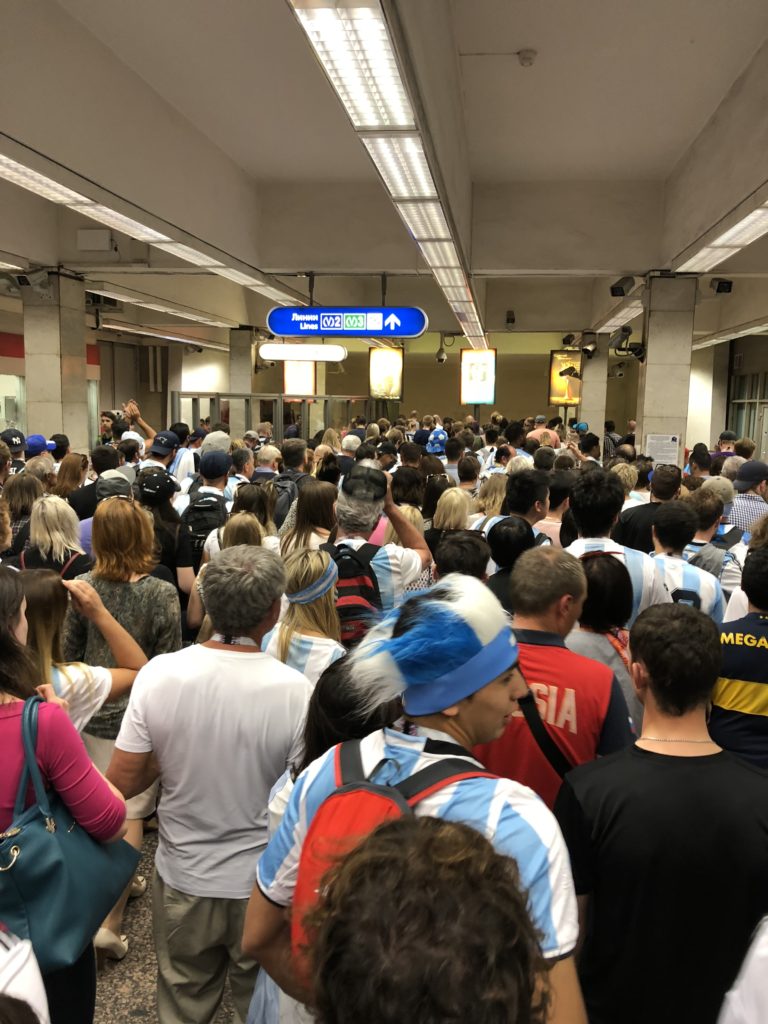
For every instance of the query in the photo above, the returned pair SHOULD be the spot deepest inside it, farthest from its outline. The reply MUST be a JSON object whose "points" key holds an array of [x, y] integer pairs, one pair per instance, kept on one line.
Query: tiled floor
{"points": [[126, 989]]}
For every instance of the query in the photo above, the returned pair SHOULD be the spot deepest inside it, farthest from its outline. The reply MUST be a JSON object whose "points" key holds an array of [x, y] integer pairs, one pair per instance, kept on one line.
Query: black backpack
{"points": [[204, 513], [728, 540], [358, 600], [287, 493]]}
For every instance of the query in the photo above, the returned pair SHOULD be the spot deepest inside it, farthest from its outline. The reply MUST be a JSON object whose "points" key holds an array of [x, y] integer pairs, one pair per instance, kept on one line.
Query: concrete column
{"points": [[241, 354], [663, 387], [707, 395], [55, 364], [594, 387], [175, 367]]}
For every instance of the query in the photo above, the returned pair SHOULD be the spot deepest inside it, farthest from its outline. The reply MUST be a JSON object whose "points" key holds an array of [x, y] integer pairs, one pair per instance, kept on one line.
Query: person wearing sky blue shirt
{"points": [[453, 658], [673, 529], [596, 502]]}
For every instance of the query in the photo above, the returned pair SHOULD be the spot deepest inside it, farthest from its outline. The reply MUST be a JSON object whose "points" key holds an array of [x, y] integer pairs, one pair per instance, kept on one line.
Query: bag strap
{"points": [[547, 745], [22, 560], [31, 770], [68, 562]]}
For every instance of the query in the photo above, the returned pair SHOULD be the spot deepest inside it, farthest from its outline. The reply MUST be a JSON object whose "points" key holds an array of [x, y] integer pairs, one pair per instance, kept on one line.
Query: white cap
{"points": [[132, 435]]}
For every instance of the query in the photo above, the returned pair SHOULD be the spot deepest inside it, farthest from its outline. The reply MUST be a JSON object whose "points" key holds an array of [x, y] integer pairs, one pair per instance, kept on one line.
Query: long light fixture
{"points": [[9, 266], [720, 337], [751, 227], [134, 298], [118, 221], [352, 41], [41, 185], [299, 353], [150, 332], [622, 313]]}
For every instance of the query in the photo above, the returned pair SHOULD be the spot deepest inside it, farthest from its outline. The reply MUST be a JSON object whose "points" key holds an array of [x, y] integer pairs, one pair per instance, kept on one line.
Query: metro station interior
{"points": [[199, 161]]}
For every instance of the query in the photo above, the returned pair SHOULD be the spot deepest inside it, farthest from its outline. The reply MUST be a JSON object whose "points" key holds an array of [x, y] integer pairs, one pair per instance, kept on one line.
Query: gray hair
{"points": [[240, 586], [54, 528], [350, 443], [40, 466], [267, 454], [731, 467], [357, 517]]}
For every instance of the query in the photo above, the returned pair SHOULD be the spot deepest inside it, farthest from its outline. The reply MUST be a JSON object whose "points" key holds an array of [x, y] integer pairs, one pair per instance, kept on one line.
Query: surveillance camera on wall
{"points": [[37, 280], [620, 337], [441, 356], [721, 286], [509, 320], [622, 287]]}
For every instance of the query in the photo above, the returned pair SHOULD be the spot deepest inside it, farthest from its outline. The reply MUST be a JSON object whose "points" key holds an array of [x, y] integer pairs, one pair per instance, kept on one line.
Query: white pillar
{"points": [[663, 388], [241, 353], [707, 395], [594, 387], [55, 363]]}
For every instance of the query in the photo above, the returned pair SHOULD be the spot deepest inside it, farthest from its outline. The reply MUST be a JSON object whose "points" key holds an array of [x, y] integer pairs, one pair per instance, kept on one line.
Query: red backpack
{"points": [[349, 814], [359, 598]]}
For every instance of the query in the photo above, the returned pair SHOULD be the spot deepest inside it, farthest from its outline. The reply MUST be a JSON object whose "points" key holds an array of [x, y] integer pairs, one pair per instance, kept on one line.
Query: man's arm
{"points": [[407, 533], [267, 938], [131, 409], [566, 1002], [132, 773]]}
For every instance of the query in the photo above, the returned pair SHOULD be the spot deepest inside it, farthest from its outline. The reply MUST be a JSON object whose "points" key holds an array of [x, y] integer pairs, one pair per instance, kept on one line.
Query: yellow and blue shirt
{"points": [[739, 719]]}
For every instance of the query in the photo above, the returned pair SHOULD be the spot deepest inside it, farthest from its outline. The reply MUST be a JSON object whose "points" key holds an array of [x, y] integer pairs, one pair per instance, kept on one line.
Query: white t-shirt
{"points": [[182, 499], [212, 546], [84, 687], [224, 726], [738, 606], [310, 655], [747, 1002]]}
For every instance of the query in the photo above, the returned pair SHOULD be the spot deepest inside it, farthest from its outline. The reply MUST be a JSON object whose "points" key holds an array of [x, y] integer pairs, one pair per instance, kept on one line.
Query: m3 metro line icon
{"points": [[347, 321]]}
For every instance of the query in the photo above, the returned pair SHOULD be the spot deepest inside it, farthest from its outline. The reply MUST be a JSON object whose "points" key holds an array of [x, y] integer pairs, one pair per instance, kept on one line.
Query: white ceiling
{"points": [[619, 89], [242, 72]]}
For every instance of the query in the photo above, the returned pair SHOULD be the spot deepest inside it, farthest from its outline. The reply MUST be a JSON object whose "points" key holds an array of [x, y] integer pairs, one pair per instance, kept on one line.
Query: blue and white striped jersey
{"points": [[647, 586], [730, 567], [688, 584], [310, 655], [511, 816]]}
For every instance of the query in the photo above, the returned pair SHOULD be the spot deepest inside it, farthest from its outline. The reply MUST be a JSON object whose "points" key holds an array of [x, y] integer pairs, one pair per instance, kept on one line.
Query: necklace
{"points": [[234, 641], [669, 739]]}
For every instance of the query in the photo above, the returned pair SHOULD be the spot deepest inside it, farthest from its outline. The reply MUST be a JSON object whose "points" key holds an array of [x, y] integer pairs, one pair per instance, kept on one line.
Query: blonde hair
{"points": [[758, 534], [123, 540], [332, 439], [518, 463], [627, 474], [452, 510], [493, 491], [237, 442], [242, 528], [414, 517], [54, 528], [302, 569], [372, 431], [47, 600]]}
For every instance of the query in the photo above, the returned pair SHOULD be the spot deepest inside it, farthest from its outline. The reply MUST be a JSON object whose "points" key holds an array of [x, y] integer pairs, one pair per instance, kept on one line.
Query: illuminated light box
{"points": [[298, 378], [565, 377], [385, 373], [478, 376]]}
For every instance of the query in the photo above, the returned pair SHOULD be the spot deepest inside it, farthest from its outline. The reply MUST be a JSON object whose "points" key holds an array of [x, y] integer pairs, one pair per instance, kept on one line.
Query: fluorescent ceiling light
{"points": [[237, 276], [303, 353], [150, 332], [623, 315], [707, 258], [282, 298], [49, 189], [134, 298], [440, 254], [119, 222], [450, 277], [402, 164], [184, 252], [9, 266], [353, 45], [755, 327], [748, 230], [457, 294], [425, 220]]}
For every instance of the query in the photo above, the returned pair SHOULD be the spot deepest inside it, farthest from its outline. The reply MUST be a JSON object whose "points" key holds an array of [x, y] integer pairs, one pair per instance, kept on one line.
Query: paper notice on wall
{"points": [[664, 449]]}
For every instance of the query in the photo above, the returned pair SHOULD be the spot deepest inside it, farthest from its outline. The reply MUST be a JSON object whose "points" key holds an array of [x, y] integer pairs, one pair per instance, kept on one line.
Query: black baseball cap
{"points": [[156, 485], [164, 443], [750, 474], [15, 440], [365, 482], [387, 448]]}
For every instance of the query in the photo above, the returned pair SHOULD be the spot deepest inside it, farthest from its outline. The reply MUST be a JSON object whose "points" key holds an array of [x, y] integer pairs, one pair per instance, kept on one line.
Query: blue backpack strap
{"points": [[29, 717]]}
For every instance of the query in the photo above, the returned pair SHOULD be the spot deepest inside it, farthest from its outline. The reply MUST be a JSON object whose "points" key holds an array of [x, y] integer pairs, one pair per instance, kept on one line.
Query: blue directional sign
{"points": [[347, 321]]}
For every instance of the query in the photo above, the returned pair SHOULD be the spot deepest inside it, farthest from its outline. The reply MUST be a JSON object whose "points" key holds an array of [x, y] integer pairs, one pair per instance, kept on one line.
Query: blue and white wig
{"points": [[435, 649]]}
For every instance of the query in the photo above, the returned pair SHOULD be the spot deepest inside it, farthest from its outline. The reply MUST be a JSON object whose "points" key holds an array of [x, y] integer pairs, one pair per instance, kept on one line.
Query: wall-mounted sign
{"points": [[347, 321], [565, 377], [478, 376], [298, 378], [385, 373]]}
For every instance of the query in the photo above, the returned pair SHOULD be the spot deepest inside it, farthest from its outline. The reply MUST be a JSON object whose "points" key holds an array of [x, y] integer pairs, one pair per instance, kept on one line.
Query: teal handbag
{"points": [[57, 884]]}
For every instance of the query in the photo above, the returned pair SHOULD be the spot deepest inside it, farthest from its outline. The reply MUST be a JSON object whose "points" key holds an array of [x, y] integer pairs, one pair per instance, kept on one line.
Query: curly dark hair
{"points": [[453, 942]]}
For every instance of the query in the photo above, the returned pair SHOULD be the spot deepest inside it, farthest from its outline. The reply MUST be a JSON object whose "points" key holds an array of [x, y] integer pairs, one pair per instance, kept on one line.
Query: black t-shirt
{"points": [[499, 584], [175, 547], [83, 501], [633, 529], [31, 558], [673, 853]]}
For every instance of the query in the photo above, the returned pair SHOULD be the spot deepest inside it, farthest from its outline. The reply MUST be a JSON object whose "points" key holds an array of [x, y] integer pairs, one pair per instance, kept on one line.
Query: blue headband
{"points": [[490, 661], [317, 589]]}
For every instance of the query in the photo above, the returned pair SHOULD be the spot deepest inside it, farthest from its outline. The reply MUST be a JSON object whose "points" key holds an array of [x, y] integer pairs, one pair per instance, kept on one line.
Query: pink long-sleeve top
{"points": [[65, 767]]}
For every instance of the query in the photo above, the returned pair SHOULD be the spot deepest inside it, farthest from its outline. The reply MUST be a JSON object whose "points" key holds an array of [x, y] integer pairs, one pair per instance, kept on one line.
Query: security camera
{"points": [[622, 287], [569, 339], [442, 355], [37, 280], [620, 337], [570, 371], [509, 320], [721, 286]]}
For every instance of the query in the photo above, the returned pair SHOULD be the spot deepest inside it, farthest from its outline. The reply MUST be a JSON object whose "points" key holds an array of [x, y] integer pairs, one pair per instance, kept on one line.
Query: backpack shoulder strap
{"points": [[68, 562], [22, 560], [437, 776], [348, 764], [547, 745]]}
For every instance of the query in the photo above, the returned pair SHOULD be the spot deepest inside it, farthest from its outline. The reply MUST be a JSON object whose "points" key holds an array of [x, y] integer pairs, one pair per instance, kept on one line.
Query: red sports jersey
{"points": [[573, 695]]}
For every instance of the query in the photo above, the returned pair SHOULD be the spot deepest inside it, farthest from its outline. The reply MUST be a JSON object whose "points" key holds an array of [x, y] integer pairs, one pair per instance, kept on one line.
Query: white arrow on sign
{"points": [[392, 322]]}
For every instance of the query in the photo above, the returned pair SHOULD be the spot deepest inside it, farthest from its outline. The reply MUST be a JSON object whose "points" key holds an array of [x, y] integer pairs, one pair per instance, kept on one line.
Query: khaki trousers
{"points": [[197, 940]]}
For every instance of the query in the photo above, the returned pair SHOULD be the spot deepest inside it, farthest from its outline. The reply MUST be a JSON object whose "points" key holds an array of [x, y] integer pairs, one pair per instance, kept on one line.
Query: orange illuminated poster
{"points": [[298, 377], [385, 373], [564, 377], [478, 376]]}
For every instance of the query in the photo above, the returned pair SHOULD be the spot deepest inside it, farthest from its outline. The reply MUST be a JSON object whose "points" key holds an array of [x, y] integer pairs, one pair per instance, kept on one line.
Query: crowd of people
{"points": [[439, 720]]}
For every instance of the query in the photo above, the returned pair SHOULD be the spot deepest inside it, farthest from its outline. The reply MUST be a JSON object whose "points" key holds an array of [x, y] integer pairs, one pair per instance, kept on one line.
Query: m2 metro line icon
{"points": [[347, 321]]}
